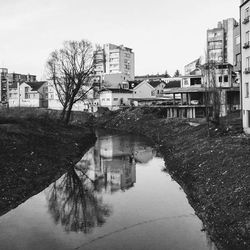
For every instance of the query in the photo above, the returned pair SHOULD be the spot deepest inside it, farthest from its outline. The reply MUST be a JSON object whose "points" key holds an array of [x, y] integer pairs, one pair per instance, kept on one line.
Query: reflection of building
{"points": [[112, 162]]}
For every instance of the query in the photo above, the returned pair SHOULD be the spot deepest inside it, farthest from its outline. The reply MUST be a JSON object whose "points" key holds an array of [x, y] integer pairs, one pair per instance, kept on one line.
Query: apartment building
{"points": [[220, 42], [14, 78], [245, 66], [4, 88], [115, 64]]}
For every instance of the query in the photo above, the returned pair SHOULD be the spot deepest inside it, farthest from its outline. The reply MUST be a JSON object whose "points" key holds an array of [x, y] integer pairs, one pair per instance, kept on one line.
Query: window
{"points": [[247, 12], [248, 116], [26, 90], [115, 99], [247, 37], [220, 78], [225, 78], [103, 99], [237, 63], [237, 40], [247, 90], [108, 99], [152, 93], [248, 62]]}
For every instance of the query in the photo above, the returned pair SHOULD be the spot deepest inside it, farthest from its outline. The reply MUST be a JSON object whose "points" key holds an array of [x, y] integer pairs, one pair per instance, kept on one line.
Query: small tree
{"points": [[70, 69], [177, 73], [166, 74]]}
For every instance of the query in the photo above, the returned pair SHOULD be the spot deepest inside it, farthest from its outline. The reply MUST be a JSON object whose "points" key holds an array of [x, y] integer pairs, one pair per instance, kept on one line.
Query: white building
{"points": [[88, 104], [114, 98], [29, 94], [115, 64], [245, 66]]}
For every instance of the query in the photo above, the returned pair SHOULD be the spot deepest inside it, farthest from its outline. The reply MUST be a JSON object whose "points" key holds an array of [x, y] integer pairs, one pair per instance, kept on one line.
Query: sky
{"points": [[164, 34]]}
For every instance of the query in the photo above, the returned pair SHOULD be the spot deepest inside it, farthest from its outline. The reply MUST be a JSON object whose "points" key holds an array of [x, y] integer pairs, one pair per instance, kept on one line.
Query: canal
{"points": [[118, 196]]}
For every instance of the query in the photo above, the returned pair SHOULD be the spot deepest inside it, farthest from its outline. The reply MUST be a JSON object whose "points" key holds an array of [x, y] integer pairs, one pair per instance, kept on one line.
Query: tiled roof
{"points": [[35, 85], [155, 83]]}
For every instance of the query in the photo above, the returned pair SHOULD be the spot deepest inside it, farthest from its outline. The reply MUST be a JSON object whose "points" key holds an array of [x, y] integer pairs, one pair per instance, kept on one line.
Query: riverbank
{"points": [[36, 149], [213, 170]]}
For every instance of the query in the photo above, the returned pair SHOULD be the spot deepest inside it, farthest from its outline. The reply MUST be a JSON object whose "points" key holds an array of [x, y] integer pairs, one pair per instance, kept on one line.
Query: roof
{"points": [[173, 84], [35, 85], [244, 3], [155, 83], [185, 90], [125, 91], [144, 82]]}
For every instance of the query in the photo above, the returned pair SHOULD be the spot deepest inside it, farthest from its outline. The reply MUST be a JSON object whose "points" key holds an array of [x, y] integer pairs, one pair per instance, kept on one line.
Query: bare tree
{"points": [[213, 90], [70, 69]]}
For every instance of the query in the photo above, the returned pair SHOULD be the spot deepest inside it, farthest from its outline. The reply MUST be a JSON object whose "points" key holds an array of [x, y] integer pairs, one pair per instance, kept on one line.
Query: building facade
{"points": [[114, 60], [29, 94], [245, 66], [114, 98], [4, 88], [220, 42], [14, 78]]}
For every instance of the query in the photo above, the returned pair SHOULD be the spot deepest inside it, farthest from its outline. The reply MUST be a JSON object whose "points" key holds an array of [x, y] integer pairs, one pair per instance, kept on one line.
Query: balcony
{"points": [[246, 45], [247, 71], [246, 20]]}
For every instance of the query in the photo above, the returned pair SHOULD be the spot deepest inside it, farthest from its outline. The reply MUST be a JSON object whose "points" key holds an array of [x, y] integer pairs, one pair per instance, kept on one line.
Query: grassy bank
{"points": [[214, 171], [36, 148]]}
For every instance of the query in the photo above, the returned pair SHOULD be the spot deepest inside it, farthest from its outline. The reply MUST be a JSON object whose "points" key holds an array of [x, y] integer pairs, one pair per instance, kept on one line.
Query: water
{"points": [[117, 197]]}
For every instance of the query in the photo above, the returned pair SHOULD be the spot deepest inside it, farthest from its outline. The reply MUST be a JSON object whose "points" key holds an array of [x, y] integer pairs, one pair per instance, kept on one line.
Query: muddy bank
{"points": [[35, 151], [214, 171]]}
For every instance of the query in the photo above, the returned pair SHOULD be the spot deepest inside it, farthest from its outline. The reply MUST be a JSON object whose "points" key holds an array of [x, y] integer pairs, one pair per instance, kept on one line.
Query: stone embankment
{"points": [[211, 164]]}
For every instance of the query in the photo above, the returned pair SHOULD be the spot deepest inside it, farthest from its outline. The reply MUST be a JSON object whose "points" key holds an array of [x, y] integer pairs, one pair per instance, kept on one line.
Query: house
{"points": [[114, 98], [89, 103], [144, 90], [29, 94], [158, 85]]}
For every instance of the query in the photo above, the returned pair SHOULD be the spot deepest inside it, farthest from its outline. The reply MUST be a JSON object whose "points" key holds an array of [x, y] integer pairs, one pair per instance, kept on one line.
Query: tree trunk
{"points": [[69, 111], [62, 115]]}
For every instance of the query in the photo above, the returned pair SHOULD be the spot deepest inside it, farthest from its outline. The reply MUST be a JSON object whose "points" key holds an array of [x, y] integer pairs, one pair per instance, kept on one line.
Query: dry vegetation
{"points": [[36, 148]]}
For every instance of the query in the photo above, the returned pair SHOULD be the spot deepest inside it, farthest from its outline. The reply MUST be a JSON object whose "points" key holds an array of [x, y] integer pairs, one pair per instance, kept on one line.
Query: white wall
{"points": [[111, 100], [144, 90]]}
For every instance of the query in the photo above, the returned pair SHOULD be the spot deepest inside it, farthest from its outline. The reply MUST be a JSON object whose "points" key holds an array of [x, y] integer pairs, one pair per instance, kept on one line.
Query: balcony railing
{"points": [[246, 20], [246, 45], [247, 71]]}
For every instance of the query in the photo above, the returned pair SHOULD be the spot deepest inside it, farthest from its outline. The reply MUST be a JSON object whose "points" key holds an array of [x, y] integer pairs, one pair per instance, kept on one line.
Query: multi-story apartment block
{"points": [[4, 88], [220, 42], [115, 64], [245, 65], [14, 78]]}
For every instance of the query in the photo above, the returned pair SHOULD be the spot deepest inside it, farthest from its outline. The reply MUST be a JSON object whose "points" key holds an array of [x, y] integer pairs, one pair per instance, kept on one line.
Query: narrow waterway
{"points": [[116, 197]]}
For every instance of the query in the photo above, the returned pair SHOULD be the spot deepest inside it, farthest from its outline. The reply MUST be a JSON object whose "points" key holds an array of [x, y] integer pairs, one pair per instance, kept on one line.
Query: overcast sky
{"points": [[164, 34]]}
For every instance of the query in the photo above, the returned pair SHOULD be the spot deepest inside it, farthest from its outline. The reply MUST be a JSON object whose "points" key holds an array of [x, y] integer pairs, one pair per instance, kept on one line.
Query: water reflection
{"points": [[75, 200], [111, 163], [116, 197]]}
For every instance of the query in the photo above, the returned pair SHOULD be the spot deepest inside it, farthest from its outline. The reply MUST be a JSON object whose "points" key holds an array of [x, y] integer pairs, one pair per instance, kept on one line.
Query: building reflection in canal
{"points": [[75, 200], [111, 163]]}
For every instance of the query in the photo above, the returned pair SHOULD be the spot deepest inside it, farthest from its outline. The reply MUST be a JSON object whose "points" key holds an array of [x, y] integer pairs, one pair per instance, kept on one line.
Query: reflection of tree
{"points": [[74, 204]]}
